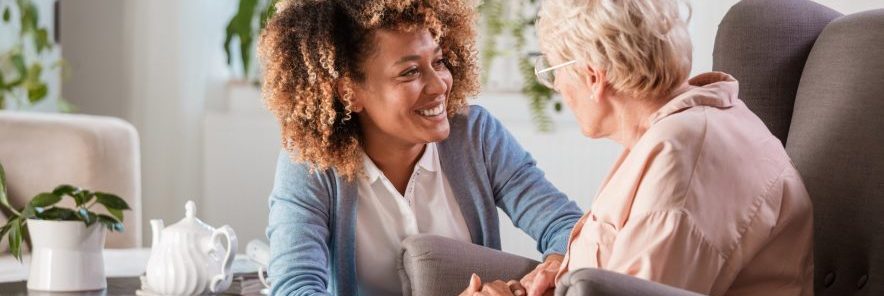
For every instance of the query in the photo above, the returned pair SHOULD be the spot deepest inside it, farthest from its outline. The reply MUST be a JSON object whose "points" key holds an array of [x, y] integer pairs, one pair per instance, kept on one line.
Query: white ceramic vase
{"points": [[66, 256]]}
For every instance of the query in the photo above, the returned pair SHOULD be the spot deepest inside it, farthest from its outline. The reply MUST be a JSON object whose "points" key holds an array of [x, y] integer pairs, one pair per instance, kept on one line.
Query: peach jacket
{"points": [[707, 200]]}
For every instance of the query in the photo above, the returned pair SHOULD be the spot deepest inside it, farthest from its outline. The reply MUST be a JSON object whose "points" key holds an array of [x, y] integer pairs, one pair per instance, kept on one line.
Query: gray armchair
{"points": [[817, 80]]}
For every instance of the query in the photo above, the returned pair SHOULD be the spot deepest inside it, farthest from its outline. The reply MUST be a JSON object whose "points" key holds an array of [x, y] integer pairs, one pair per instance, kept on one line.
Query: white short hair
{"points": [[642, 45]]}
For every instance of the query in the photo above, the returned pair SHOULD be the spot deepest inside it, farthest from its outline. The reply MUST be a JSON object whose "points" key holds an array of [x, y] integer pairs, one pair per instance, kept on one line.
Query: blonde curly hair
{"points": [[311, 45]]}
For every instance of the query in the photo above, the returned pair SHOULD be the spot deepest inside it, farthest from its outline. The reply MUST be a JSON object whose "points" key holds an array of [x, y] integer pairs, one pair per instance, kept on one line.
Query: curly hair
{"points": [[309, 46]]}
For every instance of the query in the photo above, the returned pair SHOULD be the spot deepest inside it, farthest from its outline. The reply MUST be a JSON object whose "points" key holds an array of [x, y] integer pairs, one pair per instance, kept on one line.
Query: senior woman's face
{"points": [[405, 89], [580, 93]]}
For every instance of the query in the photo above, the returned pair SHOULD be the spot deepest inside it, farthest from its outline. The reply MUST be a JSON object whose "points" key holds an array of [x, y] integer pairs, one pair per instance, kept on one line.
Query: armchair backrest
{"points": [[764, 45], [817, 80], [836, 141]]}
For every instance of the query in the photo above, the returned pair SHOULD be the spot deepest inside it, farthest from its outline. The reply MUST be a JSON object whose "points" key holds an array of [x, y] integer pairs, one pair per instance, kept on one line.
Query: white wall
{"points": [[153, 63]]}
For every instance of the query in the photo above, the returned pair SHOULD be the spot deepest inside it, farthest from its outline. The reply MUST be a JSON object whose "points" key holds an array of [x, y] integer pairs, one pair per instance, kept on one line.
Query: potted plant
{"points": [[31, 67], [66, 244]]}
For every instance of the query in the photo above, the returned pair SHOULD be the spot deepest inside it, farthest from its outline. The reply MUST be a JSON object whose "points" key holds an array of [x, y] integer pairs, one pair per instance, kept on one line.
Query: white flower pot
{"points": [[66, 256]]}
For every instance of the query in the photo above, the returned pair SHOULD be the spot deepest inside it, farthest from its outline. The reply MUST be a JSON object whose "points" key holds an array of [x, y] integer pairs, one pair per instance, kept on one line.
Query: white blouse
{"points": [[384, 217]]}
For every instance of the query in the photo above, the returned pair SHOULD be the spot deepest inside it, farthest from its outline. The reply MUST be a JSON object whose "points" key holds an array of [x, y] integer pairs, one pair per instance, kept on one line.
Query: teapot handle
{"points": [[221, 282]]}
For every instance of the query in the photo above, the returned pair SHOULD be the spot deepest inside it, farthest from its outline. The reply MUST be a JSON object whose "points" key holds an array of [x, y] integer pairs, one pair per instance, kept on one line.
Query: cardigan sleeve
{"points": [[522, 191], [298, 231]]}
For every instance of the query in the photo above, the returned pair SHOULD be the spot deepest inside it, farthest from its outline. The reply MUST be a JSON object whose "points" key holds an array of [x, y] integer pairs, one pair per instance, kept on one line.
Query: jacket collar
{"points": [[429, 161], [714, 89]]}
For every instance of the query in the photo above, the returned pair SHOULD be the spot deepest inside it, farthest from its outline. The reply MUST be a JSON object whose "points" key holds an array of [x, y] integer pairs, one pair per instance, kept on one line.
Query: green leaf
{"points": [[111, 201], [34, 73], [18, 61], [80, 197], [28, 212], [29, 17], [37, 89], [37, 92], [15, 238], [6, 15], [65, 189], [4, 200], [111, 223], [44, 199], [116, 213], [5, 229], [88, 197], [58, 214], [88, 217], [241, 27], [42, 40]]}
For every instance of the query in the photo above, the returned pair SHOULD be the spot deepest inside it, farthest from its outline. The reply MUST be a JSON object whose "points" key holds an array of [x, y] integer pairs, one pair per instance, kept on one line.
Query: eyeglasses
{"points": [[545, 73]]}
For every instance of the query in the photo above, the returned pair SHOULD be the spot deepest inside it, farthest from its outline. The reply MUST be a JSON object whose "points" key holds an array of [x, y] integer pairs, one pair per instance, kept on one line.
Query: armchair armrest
{"points": [[434, 265], [591, 281]]}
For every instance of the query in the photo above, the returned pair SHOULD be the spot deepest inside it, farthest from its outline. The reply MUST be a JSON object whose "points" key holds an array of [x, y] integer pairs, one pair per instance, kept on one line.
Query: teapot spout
{"points": [[156, 227]]}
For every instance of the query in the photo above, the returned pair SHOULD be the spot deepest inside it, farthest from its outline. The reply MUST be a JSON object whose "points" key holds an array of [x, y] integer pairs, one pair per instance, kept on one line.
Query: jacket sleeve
{"points": [[521, 190], [298, 230]]}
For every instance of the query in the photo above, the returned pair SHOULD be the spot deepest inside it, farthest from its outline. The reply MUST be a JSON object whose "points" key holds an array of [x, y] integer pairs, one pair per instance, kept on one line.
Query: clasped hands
{"points": [[539, 282]]}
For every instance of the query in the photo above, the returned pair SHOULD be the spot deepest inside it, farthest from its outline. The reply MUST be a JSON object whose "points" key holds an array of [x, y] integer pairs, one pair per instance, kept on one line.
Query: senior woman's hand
{"points": [[496, 288], [541, 281]]}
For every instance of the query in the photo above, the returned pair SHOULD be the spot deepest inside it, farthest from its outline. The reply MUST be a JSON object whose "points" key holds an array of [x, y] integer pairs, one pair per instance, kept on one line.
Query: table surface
{"points": [[122, 267], [115, 286]]}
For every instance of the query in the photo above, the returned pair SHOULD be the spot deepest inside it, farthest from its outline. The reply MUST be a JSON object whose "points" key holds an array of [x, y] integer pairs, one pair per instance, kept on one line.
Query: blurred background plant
{"points": [[26, 57], [512, 20], [244, 27]]}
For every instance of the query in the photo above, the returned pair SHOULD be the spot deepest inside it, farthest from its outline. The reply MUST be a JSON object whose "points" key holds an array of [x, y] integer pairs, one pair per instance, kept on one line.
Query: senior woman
{"points": [[380, 145], [703, 197]]}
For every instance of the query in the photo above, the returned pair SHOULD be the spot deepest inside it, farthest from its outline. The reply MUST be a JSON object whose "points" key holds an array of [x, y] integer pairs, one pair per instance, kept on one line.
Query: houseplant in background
{"points": [[66, 243], [513, 21], [27, 57], [245, 26]]}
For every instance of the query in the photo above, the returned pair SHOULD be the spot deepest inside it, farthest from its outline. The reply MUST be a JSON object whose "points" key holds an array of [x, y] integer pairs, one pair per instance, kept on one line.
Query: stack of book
{"points": [[245, 279], [246, 284]]}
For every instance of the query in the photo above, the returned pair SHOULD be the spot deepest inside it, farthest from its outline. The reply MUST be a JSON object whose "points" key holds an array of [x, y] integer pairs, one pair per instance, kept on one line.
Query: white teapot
{"points": [[188, 258]]}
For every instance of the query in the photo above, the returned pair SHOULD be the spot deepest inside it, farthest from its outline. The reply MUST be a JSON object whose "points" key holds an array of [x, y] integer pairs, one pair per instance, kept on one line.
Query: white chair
{"points": [[42, 150]]}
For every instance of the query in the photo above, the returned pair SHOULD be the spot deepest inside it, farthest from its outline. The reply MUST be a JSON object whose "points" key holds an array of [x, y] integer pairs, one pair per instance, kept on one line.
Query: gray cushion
{"points": [[837, 143], [591, 281], [434, 265], [764, 44]]}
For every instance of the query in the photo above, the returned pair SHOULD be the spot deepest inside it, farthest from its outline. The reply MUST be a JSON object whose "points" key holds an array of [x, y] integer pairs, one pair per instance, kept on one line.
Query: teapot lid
{"points": [[190, 223]]}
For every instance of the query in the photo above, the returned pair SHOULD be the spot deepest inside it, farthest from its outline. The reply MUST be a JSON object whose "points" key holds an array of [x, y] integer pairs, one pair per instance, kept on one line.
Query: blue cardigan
{"points": [[312, 230]]}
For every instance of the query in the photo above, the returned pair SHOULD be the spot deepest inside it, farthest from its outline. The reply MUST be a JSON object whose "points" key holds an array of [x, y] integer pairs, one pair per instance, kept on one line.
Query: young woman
{"points": [[380, 145]]}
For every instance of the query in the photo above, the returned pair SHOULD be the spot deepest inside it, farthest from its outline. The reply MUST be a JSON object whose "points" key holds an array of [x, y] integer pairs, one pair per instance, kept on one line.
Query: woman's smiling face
{"points": [[402, 98]]}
